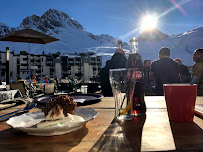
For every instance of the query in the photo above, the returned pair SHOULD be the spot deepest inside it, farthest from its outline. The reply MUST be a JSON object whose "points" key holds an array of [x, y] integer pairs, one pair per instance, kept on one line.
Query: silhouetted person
{"points": [[184, 72], [46, 79], [117, 61], [198, 70], [146, 70], [164, 70], [37, 78], [56, 82]]}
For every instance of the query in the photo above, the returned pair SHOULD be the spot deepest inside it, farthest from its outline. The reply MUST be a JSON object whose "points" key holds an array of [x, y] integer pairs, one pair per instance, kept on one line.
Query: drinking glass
{"points": [[123, 84]]}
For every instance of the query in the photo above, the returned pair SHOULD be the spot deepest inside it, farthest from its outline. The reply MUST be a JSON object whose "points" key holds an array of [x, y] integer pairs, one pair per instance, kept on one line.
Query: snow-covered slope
{"points": [[182, 46], [74, 38], [60, 25]]}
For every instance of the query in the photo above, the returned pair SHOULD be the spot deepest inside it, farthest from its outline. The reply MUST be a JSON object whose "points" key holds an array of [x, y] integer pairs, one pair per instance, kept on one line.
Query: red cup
{"points": [[180, 101]]}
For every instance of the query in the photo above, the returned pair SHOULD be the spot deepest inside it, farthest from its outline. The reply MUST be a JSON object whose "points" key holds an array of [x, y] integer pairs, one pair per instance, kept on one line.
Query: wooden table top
{"points": [[150, 132]]}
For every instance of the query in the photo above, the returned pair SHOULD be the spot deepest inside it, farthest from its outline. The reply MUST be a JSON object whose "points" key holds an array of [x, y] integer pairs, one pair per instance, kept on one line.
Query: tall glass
{"points": [[135, 61], [123, 85]]}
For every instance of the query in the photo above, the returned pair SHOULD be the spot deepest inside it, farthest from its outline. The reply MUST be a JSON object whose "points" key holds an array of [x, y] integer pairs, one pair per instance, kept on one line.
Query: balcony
{"points": [[24, 64], [99, 64], [33, 67]]}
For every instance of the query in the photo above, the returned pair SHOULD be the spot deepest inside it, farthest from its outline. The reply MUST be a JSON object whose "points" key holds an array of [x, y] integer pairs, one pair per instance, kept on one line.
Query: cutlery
{"points": [[18, 112]]}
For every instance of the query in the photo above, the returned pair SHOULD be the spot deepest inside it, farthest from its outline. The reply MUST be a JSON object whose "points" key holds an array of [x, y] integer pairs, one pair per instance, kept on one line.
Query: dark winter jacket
{"points": [[198, 71], [184, 74], [117, 61]]}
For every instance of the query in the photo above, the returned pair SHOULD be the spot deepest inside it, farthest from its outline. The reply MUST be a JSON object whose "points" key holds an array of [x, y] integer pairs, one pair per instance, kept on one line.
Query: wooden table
{"points": [[150, 132]]}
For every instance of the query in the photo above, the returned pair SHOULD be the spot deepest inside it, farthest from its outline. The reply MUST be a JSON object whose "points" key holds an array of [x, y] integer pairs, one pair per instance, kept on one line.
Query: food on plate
{"points": [[59, 111], [64, 101]]}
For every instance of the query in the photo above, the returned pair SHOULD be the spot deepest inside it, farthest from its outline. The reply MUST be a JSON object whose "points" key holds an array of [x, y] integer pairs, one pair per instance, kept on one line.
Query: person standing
{"points": [[164, 70], [184, 72], [198, 70]]}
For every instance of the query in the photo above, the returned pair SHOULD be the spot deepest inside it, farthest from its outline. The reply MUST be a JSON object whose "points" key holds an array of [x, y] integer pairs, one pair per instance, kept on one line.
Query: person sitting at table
{"points": [[146, 70], [164, 70], [34, 79], [198, 70], [184, 72], [118, 60], [37, 78], [56, 82], [46, 79]]}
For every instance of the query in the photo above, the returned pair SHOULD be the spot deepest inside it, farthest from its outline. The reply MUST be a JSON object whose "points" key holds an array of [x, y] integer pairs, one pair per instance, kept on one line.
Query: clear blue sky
{"points": [[113, 17]]}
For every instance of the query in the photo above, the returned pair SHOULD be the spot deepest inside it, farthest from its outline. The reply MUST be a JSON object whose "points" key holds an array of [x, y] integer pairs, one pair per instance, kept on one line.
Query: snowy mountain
{"points": [[4, 29], [60, 25], [182, 46], [74, 38], [153, 35]]}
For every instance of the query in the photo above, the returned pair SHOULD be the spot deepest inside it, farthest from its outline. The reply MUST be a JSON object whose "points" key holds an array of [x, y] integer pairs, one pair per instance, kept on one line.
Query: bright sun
{"points": [[148, 23]]}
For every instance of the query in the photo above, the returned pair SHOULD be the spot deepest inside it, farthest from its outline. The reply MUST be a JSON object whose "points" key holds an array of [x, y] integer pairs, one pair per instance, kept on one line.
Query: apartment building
{"points": [[3, 65], [85, 66]]}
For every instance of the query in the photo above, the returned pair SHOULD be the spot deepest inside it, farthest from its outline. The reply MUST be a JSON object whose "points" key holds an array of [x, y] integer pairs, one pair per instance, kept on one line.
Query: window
{"points": [[18, 61], [49, 63], [98, 59], [51, 72], [2, 73], [78, 61], [93, 59]]}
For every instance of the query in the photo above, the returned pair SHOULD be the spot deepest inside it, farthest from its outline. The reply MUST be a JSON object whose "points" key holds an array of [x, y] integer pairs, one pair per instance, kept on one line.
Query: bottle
{"points": [[119, 44], [134, 61]]}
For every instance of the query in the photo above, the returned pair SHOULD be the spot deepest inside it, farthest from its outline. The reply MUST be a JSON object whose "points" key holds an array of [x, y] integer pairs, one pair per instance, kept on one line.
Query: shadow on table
{"points": [[12, 140], [187, 136], [122, 136], [88, 103]]}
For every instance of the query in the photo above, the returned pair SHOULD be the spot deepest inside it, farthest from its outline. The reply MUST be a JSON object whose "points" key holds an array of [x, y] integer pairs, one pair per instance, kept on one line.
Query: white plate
{"points": [[33, 118]]}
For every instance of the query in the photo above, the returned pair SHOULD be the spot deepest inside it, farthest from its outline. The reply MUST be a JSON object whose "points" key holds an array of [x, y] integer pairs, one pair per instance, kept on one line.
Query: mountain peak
{"points": [[152, 35], [49, 21], [5, 29], [60, 19]]}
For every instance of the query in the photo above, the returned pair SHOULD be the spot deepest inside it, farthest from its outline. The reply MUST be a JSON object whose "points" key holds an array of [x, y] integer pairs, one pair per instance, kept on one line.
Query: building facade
{"points": [[82, 66], [85, 66], [3, 65]]}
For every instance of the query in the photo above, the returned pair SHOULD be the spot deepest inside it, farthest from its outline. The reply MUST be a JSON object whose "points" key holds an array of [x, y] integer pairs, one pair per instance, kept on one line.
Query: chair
{"points": [[40, 86], [49, 88], [64, 85], [20, 85], [64, 81]]}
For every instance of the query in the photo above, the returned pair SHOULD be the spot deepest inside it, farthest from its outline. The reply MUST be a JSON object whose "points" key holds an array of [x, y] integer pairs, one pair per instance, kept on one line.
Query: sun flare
{"points": [[148, 23]]}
